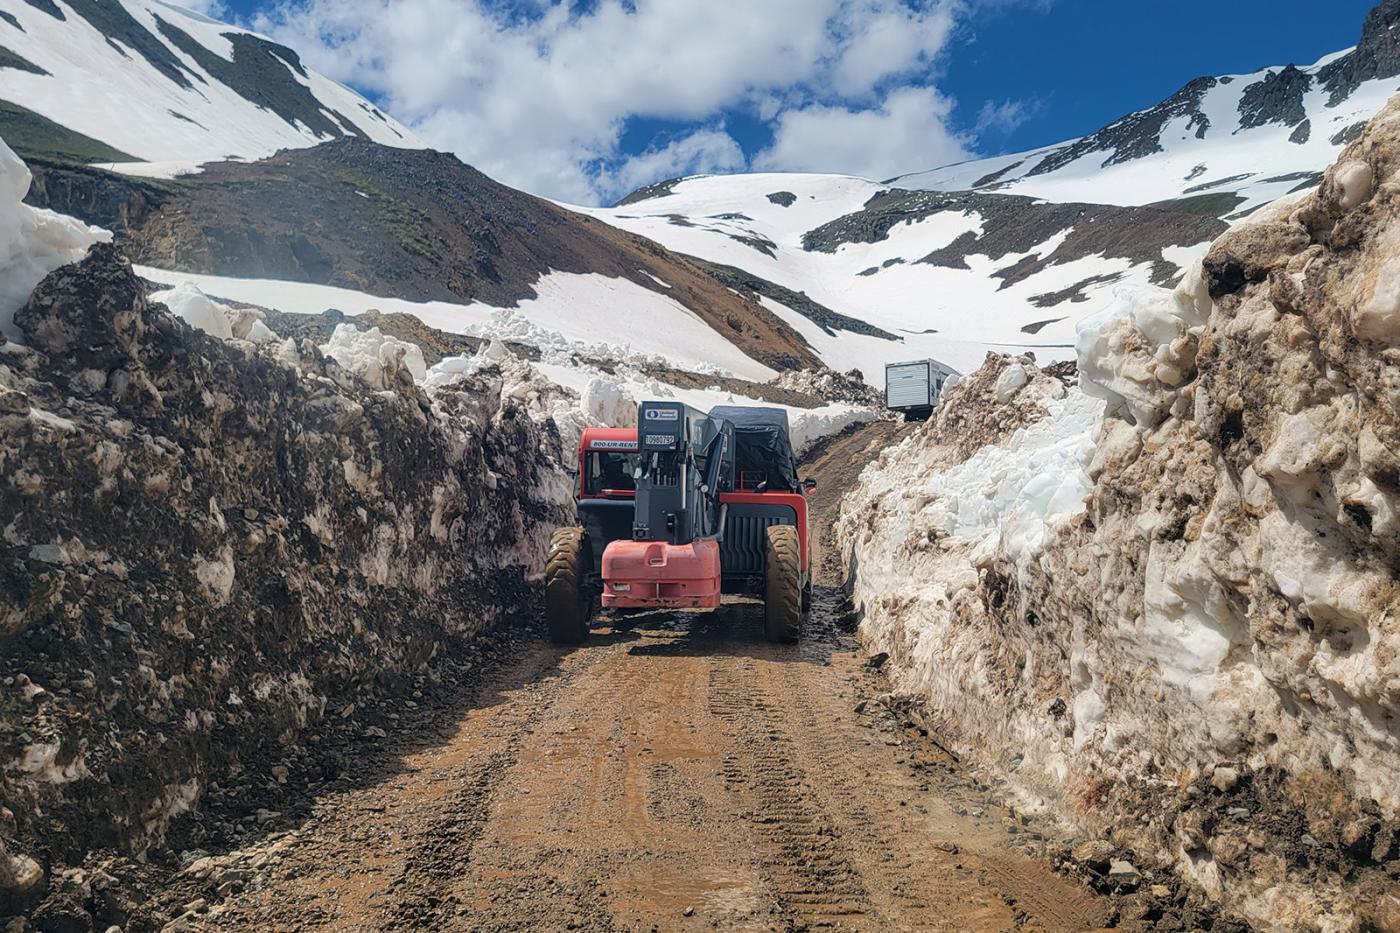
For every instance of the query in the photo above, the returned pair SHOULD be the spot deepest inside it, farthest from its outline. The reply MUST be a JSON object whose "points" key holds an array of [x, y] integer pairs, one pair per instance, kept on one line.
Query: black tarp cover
{"points": [[762, 444]]}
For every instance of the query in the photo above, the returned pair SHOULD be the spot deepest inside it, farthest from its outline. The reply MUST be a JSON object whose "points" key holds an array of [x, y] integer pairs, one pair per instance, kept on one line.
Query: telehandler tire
{"points": [[782, 590], [566, 597]]}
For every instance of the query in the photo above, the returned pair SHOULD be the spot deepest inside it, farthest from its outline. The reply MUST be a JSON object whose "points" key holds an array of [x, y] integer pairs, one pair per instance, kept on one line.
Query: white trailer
{"points": [[914, 387]]}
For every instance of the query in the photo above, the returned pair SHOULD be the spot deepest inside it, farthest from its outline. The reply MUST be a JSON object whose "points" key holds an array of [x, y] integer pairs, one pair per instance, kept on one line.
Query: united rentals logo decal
{"points": [[661, 414]]}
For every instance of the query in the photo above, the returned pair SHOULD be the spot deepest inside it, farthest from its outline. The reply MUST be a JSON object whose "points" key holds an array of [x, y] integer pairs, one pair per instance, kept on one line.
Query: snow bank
{"points": [[33, 242], [373, 356], [1013, 494], [333, 548], [195, 308], [187, 302], [1179, 629]]}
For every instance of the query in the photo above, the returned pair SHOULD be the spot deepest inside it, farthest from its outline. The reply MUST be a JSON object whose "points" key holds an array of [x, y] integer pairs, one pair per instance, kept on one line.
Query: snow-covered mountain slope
{"points": [[1245, 139], [158, 83], [1010, 253], [586, 314], [870, 275], [420, 226]]}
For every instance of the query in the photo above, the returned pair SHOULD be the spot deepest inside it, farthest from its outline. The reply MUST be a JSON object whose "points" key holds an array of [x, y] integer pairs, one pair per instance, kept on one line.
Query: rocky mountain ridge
{"points": [[1241, 133]]}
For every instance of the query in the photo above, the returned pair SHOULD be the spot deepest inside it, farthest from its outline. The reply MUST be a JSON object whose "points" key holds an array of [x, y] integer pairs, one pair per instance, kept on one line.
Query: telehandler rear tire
{"points": [[782, 590], [566, 597]]}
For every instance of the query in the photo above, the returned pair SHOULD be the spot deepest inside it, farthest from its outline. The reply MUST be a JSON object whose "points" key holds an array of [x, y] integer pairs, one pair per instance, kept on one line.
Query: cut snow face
{"points": [[33, 243], [1198, 658], [1013, 494], [160, 83]]}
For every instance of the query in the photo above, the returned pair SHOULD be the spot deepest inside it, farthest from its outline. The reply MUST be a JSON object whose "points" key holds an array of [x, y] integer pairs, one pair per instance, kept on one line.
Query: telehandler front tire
{"points": [[782, 590], [566, 598]]}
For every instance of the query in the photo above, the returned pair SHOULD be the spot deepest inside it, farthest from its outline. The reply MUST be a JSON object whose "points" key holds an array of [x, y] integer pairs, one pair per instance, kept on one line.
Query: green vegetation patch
{"points": [[1205, 205], [34, 137], [18, 62]]}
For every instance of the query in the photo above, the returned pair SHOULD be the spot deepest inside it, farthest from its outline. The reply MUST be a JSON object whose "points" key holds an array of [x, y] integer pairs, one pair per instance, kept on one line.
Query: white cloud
{"points": [[538, 95], [907, 132], [888, 39], [1005, 116], [702, 152]]}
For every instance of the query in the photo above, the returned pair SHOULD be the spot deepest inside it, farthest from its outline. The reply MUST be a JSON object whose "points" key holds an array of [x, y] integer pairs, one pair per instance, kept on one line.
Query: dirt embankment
{"points": [[210, 553], [679, 773], [1171, 613]]}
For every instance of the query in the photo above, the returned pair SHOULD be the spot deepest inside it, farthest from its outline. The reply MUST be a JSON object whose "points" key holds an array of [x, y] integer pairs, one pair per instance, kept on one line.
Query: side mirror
{"points": [[809, 485]]}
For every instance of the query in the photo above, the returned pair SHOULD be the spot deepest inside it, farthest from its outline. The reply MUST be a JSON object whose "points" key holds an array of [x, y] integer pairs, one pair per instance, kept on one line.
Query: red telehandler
{"points": [[679, 511]]}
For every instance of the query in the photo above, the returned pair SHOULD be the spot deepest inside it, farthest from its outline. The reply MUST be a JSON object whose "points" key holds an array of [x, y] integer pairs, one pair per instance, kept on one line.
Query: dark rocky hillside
{"points": [[414, 224], [209, 552], [1017, 224], [754, 287], [1377, 55]]}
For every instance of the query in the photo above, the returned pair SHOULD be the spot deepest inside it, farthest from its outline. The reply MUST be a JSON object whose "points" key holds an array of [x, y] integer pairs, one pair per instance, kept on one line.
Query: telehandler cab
{"points": [[679, 511]]}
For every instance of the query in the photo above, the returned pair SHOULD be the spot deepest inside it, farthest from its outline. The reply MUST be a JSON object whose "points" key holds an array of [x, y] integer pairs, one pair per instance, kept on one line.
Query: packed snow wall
{"points": [[1164, 604], [210, 544]]}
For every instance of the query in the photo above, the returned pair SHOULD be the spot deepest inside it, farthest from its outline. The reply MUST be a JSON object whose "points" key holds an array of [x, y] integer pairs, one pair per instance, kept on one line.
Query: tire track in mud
{"points": [[424, 895], [814, 881]]}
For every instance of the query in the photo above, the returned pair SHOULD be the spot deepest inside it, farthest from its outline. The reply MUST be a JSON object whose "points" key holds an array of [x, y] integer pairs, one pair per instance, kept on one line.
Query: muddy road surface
{"points": [[676, 773]]}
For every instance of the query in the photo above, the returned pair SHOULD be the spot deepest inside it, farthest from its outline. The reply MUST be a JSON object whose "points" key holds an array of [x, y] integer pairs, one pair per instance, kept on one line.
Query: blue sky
{"points": [[587, 101], [1088, 62]]}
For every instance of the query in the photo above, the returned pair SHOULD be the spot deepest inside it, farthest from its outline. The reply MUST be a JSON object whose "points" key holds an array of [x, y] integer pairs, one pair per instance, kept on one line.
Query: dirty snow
{"points": [[1182, 568]]}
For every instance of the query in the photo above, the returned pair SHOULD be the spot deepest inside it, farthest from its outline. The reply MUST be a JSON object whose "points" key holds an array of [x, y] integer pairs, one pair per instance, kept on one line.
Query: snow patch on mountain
{"points": [[954, 314], [162, 83], [604, 317]]}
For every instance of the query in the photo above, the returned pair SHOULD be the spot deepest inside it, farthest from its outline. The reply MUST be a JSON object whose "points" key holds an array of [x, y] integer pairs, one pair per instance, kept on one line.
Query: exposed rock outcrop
{"points": [[1377, 55], [1138, 134], [1014, 224], [1184, 635], [209, 544]]}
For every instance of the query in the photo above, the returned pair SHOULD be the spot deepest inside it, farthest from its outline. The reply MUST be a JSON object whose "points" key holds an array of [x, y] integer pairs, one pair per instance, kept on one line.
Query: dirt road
{"points": [[677, 773]]}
